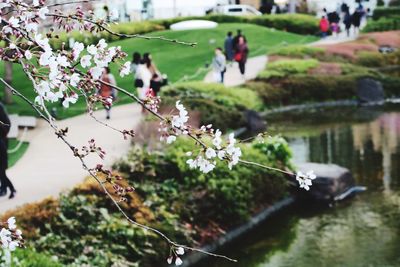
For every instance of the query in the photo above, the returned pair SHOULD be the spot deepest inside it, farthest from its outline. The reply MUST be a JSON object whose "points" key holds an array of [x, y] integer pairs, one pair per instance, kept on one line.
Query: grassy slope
{"points": [[14, 157], [172, 59]]}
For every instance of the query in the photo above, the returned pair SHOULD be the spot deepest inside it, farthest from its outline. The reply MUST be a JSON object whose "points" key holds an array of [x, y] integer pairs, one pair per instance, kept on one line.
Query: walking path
{"points": [[233, 77], [255, 65], [48, 167]]}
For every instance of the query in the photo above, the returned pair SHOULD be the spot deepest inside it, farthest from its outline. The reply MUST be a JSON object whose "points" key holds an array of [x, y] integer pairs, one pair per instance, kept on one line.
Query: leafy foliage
{"points": [[383, 24], [219, 105], [300, 51], [284, 68]]}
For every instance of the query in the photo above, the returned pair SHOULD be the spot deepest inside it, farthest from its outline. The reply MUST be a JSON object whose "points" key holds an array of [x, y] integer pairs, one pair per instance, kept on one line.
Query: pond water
{"points": [[364, 231]]}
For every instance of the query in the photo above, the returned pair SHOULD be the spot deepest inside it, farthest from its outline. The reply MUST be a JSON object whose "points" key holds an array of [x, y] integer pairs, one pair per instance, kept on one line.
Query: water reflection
{"points": [[362, 232]]}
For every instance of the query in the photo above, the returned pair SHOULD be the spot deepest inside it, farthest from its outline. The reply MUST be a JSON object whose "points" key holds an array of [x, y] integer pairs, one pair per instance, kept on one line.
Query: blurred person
{"points": [[219, 65], [356, 19], [5, 125], [107, 91], [324, 26], [241, 53], [157, 79], [144, 75], [335, 29], [136, 60], [228, 45], [347, 22], [236, 39]]}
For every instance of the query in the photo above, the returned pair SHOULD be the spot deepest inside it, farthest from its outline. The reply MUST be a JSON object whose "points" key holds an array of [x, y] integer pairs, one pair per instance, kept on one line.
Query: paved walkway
{"points": [[48, 167], [234, 78]]}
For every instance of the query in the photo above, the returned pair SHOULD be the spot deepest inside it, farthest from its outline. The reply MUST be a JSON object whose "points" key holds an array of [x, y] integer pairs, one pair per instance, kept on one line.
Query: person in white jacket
{"points": [[143, 73], [219, 65]]}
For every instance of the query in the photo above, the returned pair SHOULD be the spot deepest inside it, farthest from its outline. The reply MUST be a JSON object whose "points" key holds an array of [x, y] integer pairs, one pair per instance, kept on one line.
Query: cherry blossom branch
{"points": [[102, 185], [72, 3], [102, 27]]}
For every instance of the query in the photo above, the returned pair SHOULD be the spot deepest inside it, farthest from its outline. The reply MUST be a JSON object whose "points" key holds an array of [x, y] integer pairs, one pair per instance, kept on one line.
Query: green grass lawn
{"points": [[15, 156], [173, 59]]}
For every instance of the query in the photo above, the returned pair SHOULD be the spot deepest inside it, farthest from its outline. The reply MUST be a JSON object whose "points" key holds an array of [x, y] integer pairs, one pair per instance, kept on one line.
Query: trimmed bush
{"points": [[219, 105], [385, 12], [383, 24], [298, 51], [284, 68]]}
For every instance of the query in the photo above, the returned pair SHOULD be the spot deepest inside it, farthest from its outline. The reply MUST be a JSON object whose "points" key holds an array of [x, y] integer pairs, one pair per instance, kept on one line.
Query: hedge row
{"points": [[385, 12], [383, 24], [296, 23]]}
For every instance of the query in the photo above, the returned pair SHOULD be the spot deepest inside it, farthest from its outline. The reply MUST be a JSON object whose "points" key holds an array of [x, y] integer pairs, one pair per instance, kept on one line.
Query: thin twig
{"points": [[72, 3], [122, 35]]}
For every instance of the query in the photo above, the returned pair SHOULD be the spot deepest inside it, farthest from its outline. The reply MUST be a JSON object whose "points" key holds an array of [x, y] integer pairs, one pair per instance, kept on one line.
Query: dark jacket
{"points": [[228, 45], [5, 123]]}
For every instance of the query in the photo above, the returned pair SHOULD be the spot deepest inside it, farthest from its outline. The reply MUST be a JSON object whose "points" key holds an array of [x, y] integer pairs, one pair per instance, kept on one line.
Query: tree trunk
{"points": [[8, 75]]}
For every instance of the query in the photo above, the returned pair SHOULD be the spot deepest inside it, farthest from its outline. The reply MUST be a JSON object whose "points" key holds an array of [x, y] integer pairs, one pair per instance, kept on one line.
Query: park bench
{"points": [[18, 122]]}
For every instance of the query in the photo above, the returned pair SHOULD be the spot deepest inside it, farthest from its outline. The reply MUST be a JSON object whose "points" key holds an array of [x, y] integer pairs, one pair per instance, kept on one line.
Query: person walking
{"points": [[5, 125], [136, 60], [156, 80], [107, 91], [347, 22], [324, 26], [241, 53], [236, 39], [356, 18], [219, 65], [228, 45]]}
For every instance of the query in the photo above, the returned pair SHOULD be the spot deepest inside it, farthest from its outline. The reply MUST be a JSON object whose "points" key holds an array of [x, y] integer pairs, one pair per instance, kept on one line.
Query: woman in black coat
{"points": [[4, 129]]}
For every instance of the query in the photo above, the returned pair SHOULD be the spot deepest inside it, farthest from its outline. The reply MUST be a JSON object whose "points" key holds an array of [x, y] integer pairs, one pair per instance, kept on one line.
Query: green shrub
{"points": [[390, 85], [223, 196], [383, 24], [284, 68], [385, 12], [370, 59], [222, 106], [376, 59], [300, 51], [271, 95], [296, 23], [30, 258]]}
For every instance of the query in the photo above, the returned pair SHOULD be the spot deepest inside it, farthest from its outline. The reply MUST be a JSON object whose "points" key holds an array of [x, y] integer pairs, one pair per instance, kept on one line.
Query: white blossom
{"points": [[62, 61], [180, 251], [85, 61], [171, 139], [178, 261], [96, 72], [125, 69], [32, 27], [74, 79], [14, 22], [77, 50], [11, 223], [42, 12], [169, 260], [217, 139], [70, 99], [305, 180], [210, 153], [92, 49]]}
